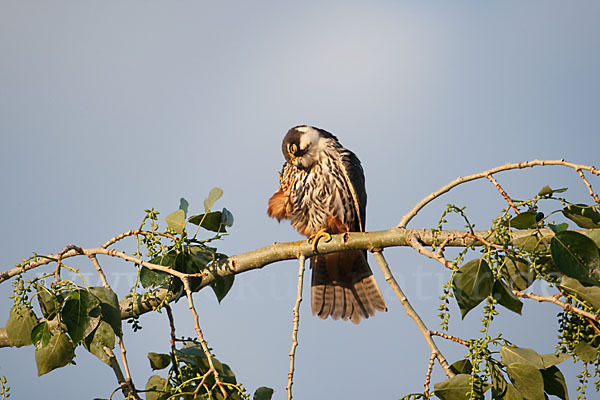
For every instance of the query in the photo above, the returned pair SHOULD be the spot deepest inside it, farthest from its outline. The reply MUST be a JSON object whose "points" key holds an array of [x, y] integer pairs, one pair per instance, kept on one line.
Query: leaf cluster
{"points": [[568, 260], [189, 377], [83, 316], [71, 315]]}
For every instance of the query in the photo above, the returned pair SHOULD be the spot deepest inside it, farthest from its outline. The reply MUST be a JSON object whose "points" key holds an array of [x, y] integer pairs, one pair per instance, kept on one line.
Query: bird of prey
{"points": [[322, 191]]}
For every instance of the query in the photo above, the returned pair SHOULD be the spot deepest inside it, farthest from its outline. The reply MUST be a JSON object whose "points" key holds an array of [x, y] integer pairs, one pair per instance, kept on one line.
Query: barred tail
{"points": [[343, 286]]}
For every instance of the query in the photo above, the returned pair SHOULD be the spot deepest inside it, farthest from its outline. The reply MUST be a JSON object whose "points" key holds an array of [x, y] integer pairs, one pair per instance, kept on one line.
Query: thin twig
{"points": [[554, 300], [296, 322], [449, 337], [442, 246], [483, 241], [460, 180], [134, 233], [128, 380], [59, 257], [428, 375], [203, 344], [416, 244], [503, 193], [173, 338], [117, 369], [410, 311], [587, 184], [99, 269]]}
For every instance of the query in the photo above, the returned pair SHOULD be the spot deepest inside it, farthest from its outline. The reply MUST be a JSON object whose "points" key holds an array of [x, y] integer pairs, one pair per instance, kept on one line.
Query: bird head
{"points": [[303, 145]]}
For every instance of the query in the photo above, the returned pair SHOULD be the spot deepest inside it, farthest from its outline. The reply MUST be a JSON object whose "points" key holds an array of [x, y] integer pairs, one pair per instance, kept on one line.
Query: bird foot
{"points": [[286, 182], [314, 239]]}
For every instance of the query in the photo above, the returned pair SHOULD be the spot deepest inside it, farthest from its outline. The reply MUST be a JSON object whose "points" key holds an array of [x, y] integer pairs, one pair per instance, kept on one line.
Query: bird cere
{"points": [[322, 191]]}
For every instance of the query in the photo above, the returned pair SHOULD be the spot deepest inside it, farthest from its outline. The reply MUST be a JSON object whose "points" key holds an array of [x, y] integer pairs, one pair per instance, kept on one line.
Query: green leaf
{"points": [[586, 352], [159, 360], [183, 205], [576, 256], [222, 286], [103, 336], [214, 195], [554, 383], [559, 228], [40, 335], [505, 297], [157, 388], [589, 294], [518, 272], [472, 283], [455, 388], [49, 303], [226, 217], [21, 322], [81, 313], [552, 359], [212, 221], [58, 353], [525, 220], [594, 235], [176, 221], [500, 388], [513, 355], [532, 243], [189, 264], [547, 191], [152, 278], [202, 256], [511, 393], [527, 379], [227, 373], [584, 216], [109, 305], [263, 393], [462, 367]]}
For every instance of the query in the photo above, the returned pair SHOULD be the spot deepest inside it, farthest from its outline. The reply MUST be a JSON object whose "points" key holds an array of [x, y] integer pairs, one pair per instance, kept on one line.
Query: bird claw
{"points": [[314, 239], [286, 182]]}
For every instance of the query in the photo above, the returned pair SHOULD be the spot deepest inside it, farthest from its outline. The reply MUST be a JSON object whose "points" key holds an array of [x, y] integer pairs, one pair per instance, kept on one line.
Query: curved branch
{"points": [[260, 258], [506, 167], [554, 300], [410, 311]]}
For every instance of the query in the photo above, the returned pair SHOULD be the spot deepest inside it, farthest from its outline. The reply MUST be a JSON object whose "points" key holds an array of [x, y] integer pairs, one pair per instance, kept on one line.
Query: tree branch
{"points": [[589, 187], [117, 369], [410, 311], [462, 179], [203, 344], [259, 258], [503, 193], [296, 323], [554, 300]]}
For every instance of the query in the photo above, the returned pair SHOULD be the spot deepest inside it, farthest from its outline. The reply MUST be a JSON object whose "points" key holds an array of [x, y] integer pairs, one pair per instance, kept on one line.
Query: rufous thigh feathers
{"points": [[279, 205]]}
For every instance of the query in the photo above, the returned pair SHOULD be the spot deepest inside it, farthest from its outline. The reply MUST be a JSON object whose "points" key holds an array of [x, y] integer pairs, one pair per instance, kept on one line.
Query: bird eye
{"points": [[292, 148]]}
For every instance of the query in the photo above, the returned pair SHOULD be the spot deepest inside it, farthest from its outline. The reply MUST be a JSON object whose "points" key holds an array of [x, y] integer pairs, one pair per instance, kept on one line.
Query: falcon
{"points": [[322, 191]]}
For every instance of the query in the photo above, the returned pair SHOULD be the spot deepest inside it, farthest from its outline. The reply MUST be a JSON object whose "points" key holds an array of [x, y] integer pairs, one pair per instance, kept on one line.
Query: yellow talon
{"points": [[286, 182], [315, 238]]}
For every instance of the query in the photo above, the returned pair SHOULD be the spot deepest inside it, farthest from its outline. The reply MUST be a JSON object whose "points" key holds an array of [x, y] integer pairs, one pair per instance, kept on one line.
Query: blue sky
{"points": [[108, 108]]}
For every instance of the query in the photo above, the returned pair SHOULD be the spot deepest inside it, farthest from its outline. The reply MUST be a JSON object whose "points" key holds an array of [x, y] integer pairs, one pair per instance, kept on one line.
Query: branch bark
{"points": [[260, 258], [410, 311], [295, 323], [506, 167]]}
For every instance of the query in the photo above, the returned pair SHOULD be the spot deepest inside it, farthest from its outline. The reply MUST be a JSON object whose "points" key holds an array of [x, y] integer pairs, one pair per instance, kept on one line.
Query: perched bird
{"points": [[323, 192]]}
